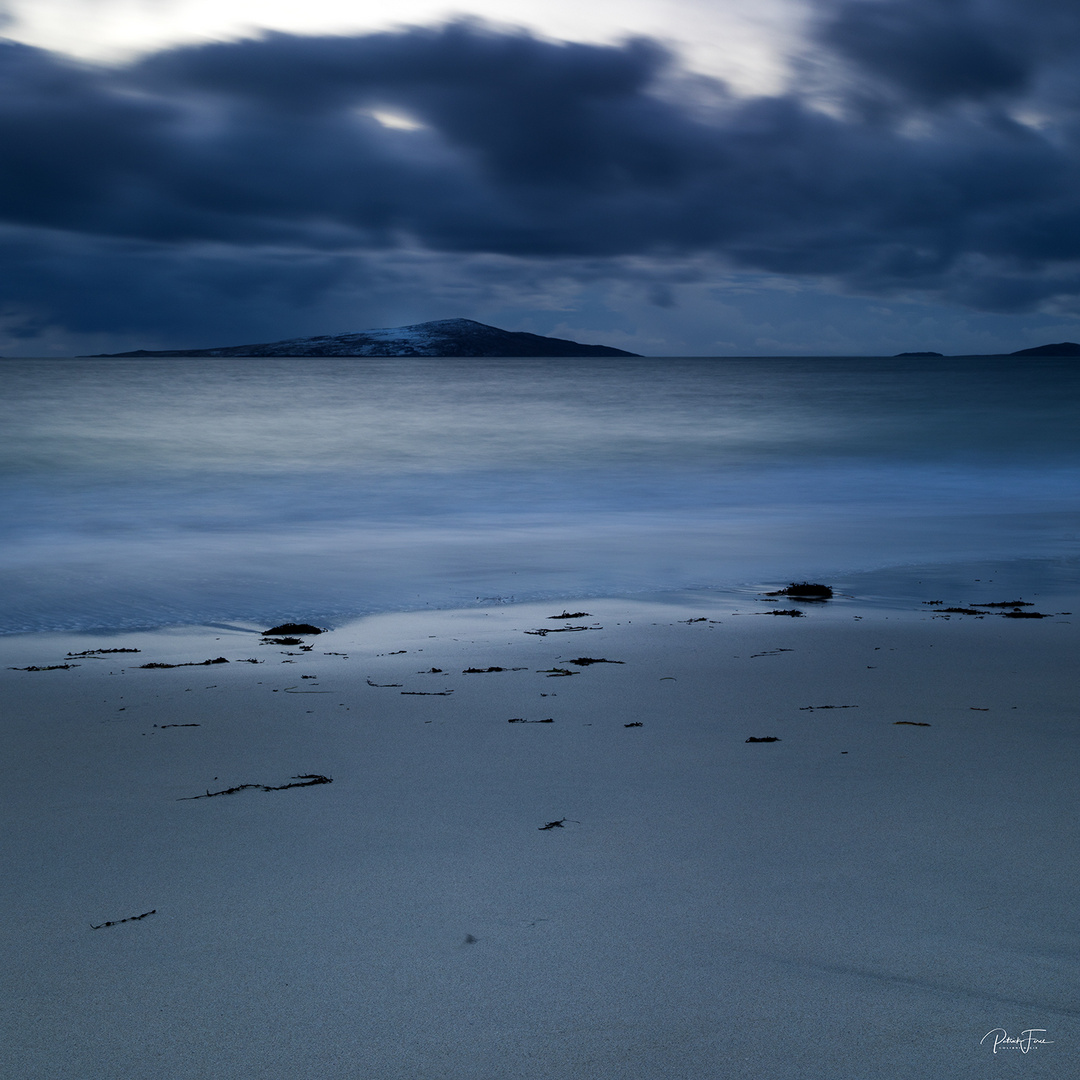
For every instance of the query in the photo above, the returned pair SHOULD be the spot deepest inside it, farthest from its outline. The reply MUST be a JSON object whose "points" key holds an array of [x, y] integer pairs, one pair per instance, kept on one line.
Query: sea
{"points": [[181, 491]]}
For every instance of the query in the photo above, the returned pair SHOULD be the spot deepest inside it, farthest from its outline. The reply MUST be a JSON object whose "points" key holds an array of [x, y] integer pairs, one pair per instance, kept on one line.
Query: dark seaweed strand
{"points": [[304, 780], [49, 667], [130, 918]]}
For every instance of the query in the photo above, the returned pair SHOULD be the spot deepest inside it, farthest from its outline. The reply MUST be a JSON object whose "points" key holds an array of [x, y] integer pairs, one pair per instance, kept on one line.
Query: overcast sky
{"points": [[684, 177]]}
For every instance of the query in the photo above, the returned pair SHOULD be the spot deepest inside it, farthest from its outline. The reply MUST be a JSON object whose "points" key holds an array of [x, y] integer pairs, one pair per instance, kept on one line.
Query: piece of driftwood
{"points": [[636, 723], [763, 738], [522, 720], [585, 661], [812, 708], [556, 824], [427, 693], [913, 723], [117, 922], [545, 630], [304, 780]]}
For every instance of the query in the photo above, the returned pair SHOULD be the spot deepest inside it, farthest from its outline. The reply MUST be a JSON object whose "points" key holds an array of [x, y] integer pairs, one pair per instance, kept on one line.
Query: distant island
{"points": [[442, 337], [1062, 348], [466, 337]]}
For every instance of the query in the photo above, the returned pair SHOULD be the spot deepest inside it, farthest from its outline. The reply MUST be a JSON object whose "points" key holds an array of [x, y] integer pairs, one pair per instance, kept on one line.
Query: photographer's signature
{"points": [[1022, 1042]]}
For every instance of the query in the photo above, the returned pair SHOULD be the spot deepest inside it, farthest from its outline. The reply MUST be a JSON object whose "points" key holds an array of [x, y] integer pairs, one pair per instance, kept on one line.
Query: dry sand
{"points": [[868, 896]]}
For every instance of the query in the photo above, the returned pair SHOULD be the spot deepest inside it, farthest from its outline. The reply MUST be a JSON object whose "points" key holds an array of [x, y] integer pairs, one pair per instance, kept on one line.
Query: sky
{"points": [[687, 177]]}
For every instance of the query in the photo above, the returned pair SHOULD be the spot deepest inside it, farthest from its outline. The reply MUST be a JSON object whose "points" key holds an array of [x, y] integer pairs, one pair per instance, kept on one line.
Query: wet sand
{"points": [[866, 896]]}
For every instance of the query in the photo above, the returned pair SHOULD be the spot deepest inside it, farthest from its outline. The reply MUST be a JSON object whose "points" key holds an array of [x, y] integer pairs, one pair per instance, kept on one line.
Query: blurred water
{"points": [[143, 492]]}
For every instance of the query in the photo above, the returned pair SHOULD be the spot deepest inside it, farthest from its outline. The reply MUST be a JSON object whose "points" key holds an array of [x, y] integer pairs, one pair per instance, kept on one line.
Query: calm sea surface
{"points": [[146, 492]]}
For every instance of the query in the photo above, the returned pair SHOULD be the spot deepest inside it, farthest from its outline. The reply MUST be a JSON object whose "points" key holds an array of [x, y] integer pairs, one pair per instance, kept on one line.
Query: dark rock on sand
{"points": [[805, 590]]}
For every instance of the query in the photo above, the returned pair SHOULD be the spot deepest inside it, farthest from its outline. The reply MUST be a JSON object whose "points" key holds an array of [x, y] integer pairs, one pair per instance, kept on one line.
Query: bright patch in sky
{"points": [[741, 43], [395, 120]]}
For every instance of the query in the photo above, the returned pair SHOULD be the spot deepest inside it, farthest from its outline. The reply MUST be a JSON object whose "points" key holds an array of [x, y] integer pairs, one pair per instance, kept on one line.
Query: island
{"points": [[441, 337], [1062, 348]]}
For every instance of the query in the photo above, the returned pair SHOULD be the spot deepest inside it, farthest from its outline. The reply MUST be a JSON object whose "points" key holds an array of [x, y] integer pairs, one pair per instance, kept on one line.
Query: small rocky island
{"points": [[443, 337]]}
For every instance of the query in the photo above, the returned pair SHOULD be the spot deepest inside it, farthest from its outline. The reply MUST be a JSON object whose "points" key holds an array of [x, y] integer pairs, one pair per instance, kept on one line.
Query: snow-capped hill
{"points": [[442, 337]]}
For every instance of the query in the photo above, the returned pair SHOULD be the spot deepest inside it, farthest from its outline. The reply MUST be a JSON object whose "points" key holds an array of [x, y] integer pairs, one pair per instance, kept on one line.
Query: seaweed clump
{"points": [[293, 628]]}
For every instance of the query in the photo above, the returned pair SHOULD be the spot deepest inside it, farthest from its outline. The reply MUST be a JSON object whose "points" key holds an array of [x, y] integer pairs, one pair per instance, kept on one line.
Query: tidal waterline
{"points": [[147, 492]]}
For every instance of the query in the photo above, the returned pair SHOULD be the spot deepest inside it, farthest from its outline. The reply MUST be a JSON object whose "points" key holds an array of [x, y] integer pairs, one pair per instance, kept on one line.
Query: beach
{"points": [[682, 836]]}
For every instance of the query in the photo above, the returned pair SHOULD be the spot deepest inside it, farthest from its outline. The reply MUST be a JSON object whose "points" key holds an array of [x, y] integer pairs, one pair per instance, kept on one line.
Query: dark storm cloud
{"points": [[937, 51], [534, 149], [933, 51]]}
